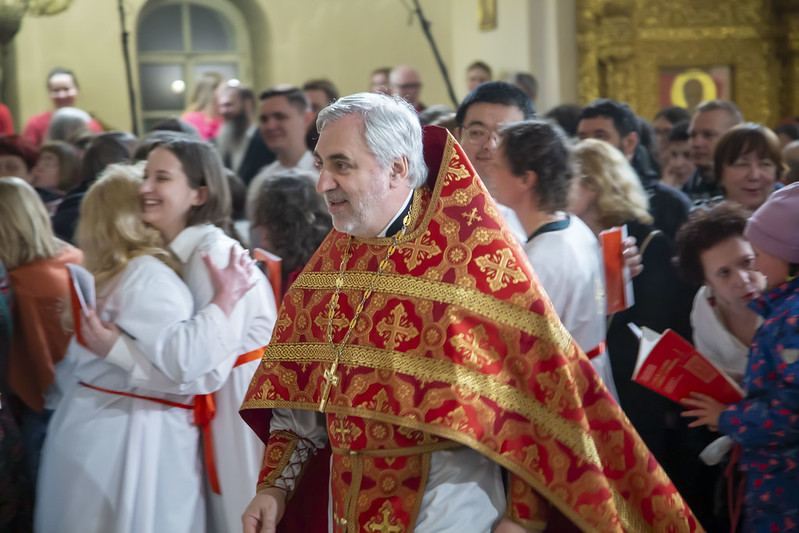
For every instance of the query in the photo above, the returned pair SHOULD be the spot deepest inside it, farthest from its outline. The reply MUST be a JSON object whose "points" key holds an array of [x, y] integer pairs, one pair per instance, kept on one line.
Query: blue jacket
{"points": [[766, 421]]}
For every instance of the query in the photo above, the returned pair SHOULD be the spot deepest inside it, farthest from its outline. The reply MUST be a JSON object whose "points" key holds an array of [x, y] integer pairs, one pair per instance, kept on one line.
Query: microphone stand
{"points": [[126, 55], [426, 29]]}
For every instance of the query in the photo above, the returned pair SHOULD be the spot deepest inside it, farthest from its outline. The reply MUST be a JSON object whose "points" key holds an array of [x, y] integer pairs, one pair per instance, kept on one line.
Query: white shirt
{"points": [[568, 263], [513, 221], [714, 340]]}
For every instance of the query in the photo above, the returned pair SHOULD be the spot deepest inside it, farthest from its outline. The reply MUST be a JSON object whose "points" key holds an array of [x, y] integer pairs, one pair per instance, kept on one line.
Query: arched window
{"points": [[177, 42]]}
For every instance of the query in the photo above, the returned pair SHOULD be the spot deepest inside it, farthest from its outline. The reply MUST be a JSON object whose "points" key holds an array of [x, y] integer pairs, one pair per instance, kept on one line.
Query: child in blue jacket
{"points": [[766, 422]]}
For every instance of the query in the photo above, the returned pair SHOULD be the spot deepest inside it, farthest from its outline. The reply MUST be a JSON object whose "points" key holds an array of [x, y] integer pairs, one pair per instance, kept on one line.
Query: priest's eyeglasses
{"points": [[478, 135]]}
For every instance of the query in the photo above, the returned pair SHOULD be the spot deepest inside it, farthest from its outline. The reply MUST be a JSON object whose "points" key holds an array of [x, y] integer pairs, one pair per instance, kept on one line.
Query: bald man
{"points": [[406, 82]]}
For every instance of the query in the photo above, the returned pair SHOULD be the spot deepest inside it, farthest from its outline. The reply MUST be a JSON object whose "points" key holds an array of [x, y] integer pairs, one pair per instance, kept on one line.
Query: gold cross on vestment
{"points": [[472, 216], [384, 526], [331, 380], [498, 267], [397, 328]]}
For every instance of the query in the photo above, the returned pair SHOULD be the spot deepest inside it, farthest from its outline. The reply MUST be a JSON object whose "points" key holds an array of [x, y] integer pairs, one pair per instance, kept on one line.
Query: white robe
{"points": [[113, 462], [201, 353], [569, 265]]}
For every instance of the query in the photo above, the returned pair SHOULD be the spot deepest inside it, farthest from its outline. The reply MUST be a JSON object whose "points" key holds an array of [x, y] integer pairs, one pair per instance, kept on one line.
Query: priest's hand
{"points": [[506, 525], [705, 409], [100, 336], [232, 282], [264, 511]]}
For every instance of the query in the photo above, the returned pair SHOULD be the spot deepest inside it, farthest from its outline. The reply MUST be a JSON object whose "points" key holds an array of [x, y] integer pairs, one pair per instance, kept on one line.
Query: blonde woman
{"points": [[36, 261], [119, 457], [608, 193], [203, 111]]}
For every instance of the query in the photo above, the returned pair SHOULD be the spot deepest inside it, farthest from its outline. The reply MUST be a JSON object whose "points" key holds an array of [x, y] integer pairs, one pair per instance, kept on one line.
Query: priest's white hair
{"points": [[391, 129]]}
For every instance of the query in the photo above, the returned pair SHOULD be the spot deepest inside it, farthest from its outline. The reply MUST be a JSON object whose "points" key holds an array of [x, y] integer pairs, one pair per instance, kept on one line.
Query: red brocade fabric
{"points": [[459, 342]]}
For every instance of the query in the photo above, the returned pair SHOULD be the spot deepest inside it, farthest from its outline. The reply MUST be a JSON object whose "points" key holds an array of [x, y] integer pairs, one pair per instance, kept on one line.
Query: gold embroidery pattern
{"points": [[475, 347], [499, 266], [502, 404], [388, 524], [432, 370], [471, 216], [469, 299], [396, 328], [415, 252]]}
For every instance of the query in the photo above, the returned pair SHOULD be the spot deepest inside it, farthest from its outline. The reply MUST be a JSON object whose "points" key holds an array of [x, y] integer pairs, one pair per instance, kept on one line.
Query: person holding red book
{"points": [[764, 423]]}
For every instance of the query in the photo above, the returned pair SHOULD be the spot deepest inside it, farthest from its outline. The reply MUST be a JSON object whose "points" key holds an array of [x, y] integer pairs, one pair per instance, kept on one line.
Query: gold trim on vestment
{"points": [[480, 303], [430, 370], [631, 521], [399, 452]]}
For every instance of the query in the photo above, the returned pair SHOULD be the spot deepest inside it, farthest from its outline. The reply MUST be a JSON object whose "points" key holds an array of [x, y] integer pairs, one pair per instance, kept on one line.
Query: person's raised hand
{"points": [[232, 282]]}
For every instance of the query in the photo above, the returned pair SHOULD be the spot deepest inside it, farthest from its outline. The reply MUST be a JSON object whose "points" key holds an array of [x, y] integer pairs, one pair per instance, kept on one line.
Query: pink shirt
{"points": [[207, 127]]}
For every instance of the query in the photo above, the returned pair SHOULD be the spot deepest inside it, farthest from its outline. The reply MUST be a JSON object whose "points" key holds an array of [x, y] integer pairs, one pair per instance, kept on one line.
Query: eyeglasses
{"points": [[479, 136]]}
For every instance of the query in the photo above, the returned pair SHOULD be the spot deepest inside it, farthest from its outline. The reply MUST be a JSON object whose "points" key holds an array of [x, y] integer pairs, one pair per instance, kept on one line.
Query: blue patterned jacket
{"points": [[766, 421]]}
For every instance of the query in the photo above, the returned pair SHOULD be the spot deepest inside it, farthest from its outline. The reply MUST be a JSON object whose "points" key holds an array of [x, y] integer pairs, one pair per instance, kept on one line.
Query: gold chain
{"points": [[330, 374]]}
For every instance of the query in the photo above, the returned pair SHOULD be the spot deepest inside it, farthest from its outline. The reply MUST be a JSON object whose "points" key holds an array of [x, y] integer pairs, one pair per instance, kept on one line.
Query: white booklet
{"points": [[83, 283]]}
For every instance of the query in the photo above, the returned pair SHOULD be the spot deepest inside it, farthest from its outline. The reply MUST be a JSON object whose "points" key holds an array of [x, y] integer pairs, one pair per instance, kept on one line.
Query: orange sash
{"points": [[204, 412]]}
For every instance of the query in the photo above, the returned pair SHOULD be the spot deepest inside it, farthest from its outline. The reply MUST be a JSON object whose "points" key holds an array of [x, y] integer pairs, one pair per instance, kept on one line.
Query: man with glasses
{"points": [[484, 110]]}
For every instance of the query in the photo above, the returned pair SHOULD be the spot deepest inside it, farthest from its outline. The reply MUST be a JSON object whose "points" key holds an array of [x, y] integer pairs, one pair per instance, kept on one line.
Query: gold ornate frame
{"points": [[623, 44]]}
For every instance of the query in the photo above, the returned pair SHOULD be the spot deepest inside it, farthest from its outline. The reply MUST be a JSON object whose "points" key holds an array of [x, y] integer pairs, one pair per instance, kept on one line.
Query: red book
{"points": [[618, 283], [272, 267], [81, 295], [672, 367]]}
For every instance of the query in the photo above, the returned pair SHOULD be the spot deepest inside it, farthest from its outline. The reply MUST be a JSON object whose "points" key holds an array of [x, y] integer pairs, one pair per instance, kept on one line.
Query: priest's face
{"points": [[356, 188]]}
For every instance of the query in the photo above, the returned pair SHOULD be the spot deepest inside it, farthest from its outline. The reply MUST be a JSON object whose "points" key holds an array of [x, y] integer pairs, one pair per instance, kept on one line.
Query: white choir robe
{"points": [[208, 346], [513, 222], [117, 463], [568, 262]]}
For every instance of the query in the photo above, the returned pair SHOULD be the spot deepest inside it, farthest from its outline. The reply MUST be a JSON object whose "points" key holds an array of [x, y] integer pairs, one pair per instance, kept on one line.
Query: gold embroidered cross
{"points": [[384, 526], [397, 328], [417, 249], [331, 380], [472, 216], [498, 267], [342, 431]]}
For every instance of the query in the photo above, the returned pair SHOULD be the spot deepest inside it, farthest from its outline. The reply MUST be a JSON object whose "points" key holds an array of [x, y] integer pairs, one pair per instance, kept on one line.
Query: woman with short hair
{"points": [[748, 163], [56, 171]]}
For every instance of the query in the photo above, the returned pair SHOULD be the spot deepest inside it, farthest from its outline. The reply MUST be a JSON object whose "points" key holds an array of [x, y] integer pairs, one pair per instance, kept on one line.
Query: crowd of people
{"points": [[436, 352]]}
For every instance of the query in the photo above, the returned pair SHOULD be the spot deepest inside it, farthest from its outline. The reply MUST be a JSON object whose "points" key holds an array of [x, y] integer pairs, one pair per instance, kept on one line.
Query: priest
{"points": [[418, 346]]}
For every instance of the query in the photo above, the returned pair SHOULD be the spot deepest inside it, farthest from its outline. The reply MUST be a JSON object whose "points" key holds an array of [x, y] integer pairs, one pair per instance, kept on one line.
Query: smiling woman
{"points": [[748, 162]]}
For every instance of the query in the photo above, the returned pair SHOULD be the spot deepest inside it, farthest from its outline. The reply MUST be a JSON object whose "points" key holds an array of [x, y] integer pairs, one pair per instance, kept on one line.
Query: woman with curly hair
{"points": [[292, 220], [608, 193]]}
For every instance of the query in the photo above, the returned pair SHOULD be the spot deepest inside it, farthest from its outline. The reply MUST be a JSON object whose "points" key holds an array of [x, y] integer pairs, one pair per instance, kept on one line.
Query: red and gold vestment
{"points": [[457, 346]]}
